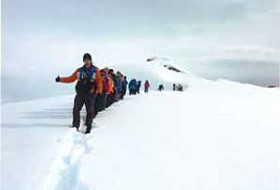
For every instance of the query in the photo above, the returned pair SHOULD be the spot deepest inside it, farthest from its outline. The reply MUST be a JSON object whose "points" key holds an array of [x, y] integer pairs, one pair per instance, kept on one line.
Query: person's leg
{"points": [[124, 92], [100, 106], [108, 100], [97, 104], [90, 105], [117, 96], [100, 102], [78, 105], [113, 98], [121, 96], [104, 100]]}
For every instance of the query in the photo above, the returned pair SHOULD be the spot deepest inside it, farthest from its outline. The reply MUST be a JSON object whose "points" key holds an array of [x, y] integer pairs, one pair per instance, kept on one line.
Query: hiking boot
{"points": [[88, 129]]}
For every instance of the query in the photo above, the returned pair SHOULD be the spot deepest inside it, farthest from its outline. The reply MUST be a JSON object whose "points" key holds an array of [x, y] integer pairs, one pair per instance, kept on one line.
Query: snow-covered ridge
{"points": [[164, 70], [197, 139], [167, 63], [159, 70], [160, 140]]}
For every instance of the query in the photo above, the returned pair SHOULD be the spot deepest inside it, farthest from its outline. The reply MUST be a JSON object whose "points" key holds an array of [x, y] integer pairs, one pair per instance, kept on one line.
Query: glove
{"points": [[57, 79]]}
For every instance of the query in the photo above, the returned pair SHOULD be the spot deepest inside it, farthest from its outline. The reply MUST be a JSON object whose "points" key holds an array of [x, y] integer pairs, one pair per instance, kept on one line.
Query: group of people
{"points": [[134, 86], [96, 89], [178, 87]]}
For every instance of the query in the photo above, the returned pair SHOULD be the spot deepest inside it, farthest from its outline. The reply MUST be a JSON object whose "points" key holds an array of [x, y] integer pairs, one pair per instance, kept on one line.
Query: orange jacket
{"points": [[111, 85], [75, 76]]}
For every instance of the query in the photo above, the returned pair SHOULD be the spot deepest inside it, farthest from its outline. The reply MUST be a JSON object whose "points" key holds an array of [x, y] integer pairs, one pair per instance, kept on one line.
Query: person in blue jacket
{"points": [[132, 86], [124, 86], [117, 85], [138, 87]]}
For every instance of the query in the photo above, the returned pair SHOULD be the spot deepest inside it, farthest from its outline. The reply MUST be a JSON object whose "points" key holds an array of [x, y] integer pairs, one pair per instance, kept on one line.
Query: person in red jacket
{"points": [[147, 86], [88, 86]]}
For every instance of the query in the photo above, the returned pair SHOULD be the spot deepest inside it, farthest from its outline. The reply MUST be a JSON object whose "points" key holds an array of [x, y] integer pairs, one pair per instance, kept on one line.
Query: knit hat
{"points": [[87, 56]]}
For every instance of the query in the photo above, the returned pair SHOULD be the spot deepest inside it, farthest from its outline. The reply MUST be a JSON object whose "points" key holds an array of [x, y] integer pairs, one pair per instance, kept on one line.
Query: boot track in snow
{"points": [[63, 173]]}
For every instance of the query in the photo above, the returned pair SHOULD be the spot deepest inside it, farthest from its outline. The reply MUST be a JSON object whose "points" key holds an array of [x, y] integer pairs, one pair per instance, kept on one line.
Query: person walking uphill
{"points": [[147, 86], [124, 86], [88, 86]]}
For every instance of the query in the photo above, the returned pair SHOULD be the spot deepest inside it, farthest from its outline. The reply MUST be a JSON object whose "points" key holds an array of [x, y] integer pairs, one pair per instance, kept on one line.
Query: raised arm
{"points": [[71, 78]]}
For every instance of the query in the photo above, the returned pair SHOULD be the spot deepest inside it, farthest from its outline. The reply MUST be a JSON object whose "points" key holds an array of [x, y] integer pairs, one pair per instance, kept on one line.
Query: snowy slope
{"points": [[160, 70], [30, 135], [216, 135], [194, 140]]}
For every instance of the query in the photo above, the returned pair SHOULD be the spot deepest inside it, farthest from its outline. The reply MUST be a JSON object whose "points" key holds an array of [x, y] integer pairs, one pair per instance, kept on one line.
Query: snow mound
{"points": [[220, 135], [159, 70], [167, 63]]}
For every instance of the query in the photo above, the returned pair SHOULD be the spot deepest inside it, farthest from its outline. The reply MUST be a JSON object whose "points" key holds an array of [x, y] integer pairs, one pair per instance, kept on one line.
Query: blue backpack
{"points": [[90, 72], [86, 83]]}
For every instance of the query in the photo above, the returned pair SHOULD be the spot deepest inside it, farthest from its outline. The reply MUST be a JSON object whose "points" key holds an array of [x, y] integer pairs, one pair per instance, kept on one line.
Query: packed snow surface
{"points": [[213, 136]]}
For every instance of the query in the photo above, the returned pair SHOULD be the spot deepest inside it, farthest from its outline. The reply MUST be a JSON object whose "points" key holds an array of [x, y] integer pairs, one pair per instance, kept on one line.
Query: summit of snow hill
{"points": [[168, 63], [160, 70]]}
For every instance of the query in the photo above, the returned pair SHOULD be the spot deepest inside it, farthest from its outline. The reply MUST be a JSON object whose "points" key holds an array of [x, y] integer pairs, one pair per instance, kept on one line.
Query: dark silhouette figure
{"points": [[160, 87]]}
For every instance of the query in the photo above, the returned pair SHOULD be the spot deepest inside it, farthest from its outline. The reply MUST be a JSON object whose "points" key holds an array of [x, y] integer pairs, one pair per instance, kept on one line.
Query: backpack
{"points": [[86, 81], [91, 72]]}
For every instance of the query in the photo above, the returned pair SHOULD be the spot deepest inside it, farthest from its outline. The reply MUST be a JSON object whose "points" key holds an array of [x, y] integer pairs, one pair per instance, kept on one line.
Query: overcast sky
{"points": [[210, 37]]}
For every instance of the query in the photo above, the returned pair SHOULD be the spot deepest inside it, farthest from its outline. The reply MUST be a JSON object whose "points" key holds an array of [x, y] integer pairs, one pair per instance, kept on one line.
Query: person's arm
{"points": [[111, 85], [71, 78], [98, 81]]}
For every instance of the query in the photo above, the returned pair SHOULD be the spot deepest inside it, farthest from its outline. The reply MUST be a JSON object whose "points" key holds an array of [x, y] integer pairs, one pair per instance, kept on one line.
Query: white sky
{"points": [[53, 35]]}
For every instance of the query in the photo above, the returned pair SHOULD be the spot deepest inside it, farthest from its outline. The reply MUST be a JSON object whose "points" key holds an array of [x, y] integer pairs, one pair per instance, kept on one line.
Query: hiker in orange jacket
{"points": [[88, 86], [109, 83], [111, 93], [101, 100]]}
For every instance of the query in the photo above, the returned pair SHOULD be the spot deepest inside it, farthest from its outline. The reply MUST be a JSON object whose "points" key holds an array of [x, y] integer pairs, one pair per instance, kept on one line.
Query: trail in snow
{"points": [[65, 167], [64, 170]]}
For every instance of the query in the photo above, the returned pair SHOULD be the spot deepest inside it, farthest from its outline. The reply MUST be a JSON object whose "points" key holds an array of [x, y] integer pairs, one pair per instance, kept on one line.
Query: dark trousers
{"points": [[132, 91], [123, 93], [97, 104], [108, 102], [80, 100], [146, 89], [100, 102], [117, 96], [110, 99], [103, 101]]}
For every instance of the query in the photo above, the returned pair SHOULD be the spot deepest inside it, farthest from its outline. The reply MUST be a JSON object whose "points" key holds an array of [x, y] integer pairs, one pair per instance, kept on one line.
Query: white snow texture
{"points": [[216, 135]]}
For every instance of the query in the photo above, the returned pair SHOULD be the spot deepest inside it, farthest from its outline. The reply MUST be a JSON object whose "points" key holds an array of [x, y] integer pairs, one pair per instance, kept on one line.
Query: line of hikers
{"points": [[134, 86], [97, 89]]}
